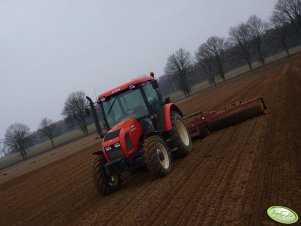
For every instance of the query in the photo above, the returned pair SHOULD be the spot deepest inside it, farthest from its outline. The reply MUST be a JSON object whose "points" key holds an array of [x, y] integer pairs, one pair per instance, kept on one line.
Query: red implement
{"points": [[205, 122]]}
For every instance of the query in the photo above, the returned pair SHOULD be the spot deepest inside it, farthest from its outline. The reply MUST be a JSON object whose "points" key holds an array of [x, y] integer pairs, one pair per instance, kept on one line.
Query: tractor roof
{"points": [[124, 87]]}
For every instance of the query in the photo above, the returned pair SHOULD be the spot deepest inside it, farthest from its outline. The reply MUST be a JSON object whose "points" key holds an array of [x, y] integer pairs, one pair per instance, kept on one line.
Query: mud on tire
{"points": [[180, 136], [104, 183], [157, 156]]}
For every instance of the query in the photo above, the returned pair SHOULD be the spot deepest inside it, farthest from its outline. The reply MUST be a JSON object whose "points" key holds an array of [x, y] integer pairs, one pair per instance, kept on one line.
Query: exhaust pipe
{"points": [[95, 117]]}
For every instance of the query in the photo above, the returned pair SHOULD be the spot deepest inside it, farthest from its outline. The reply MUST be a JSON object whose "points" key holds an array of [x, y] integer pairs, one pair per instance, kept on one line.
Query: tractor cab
{"points": [[142, 129], [138, 100]]}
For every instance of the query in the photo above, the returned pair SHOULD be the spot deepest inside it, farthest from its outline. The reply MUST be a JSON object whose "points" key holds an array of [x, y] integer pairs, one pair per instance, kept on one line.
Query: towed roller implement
{"points": [[203, 123]]}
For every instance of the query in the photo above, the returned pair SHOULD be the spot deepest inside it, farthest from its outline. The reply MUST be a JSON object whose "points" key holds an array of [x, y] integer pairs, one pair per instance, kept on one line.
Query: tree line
{"points": [[18, 136], [250, 41], [247, 42]]}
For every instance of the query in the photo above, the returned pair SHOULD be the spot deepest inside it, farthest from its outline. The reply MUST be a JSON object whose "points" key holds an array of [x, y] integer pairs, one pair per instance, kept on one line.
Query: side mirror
{"points": [[155, 84], [88, 113], [167, 100]]}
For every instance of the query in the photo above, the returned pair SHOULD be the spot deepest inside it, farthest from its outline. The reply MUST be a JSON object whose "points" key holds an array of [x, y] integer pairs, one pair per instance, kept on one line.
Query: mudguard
{"points": [[167, 120]]}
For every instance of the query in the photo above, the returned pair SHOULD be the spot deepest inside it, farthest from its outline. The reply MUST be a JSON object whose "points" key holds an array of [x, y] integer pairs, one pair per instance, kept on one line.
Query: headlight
{"points": [[117, 145], [108, 148]]}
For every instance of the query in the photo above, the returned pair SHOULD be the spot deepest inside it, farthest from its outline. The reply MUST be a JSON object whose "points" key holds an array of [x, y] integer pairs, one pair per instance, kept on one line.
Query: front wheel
{"points": [[104, 183], [180, 136], [157, 156]]}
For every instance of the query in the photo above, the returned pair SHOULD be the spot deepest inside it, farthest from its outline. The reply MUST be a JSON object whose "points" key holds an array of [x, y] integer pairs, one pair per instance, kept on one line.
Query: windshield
{"points": [[129, 104]]}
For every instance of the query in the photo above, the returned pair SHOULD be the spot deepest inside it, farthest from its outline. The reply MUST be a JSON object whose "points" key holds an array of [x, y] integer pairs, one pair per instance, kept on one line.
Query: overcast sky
{"points": [[49, 49]]}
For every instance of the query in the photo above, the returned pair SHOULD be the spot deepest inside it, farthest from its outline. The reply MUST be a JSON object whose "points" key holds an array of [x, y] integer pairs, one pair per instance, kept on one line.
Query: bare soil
{"points": [[230, 178]]}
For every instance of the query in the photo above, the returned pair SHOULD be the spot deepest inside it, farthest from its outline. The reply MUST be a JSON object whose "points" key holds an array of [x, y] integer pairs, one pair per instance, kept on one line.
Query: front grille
{"points": [[115, 168], [128, 142], [112, 135], [115, 153]]}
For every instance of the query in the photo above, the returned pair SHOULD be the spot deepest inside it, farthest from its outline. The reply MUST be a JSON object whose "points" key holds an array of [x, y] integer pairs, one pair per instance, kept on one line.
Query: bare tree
{"points": [[2, 152], [3, 149], [17, 138], [216, 48], [281, 31], [239, 36], [47, 128], [256, 29], [289, 12], [74, 110], [177, 65], [205, 62]]}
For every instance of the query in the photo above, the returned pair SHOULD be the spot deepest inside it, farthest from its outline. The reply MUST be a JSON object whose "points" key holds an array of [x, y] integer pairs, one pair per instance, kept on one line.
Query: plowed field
{"points": [[230, 178]]}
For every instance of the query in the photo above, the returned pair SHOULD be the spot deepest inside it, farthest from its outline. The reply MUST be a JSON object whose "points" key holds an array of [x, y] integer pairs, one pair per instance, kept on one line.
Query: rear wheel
{"points": [[157, 156], [104, 183], [180, 136]]}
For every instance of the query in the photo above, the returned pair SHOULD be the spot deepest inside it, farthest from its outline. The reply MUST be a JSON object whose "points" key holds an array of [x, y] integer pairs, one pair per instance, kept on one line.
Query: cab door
{"points": [[155, 102]]}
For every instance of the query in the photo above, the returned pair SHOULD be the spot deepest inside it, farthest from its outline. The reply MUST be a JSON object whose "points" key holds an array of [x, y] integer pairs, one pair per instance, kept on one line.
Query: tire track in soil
{"points": [[234, 215], [44, 171], [228, 220], [153, 195], [277, 155], [199, 185], [261, 170], [184, 220], [264, 190], [232, 204], [170, 196], [228, 178], [53, 194]]}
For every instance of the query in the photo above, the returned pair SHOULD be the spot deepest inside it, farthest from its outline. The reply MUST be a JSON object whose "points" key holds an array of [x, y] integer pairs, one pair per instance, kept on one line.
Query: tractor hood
{"points": [[123, 125], [126, 123], [127, 133]]}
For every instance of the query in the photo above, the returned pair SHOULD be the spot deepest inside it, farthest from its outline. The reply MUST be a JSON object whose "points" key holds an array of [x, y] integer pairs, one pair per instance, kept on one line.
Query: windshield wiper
{"points": [[111, 106]]}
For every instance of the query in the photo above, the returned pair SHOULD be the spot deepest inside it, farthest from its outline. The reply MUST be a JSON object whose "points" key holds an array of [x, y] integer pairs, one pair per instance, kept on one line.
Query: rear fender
{"points": [[167, 119]]}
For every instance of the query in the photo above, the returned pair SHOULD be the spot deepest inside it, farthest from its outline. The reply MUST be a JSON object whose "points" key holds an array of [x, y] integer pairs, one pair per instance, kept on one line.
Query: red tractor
{"points": [[143, 129]]}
